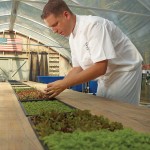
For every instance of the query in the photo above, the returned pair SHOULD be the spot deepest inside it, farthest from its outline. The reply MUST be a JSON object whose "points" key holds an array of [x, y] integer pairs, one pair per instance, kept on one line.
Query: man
{"points": [[99, 51]]}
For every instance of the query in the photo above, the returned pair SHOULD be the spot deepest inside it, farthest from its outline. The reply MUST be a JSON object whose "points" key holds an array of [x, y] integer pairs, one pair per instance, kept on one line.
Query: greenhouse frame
{"points": [[33, 57]]}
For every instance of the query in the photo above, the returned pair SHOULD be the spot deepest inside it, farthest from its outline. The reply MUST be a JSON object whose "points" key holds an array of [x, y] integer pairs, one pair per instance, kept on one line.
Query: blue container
{"points": [[78, 87], [93, 86], [48, 79]]}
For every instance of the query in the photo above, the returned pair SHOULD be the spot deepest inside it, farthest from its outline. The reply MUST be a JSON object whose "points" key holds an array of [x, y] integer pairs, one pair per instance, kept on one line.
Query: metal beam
{"points": [[4, 24], [4, 27], [13, 16], [5, 0], [4, 15], [143, 4]]}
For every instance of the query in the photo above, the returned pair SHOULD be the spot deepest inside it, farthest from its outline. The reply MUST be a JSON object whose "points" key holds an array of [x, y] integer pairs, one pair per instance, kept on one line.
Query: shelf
{"points": [[54, 71], [53, 54], [54, 64], [54, 57], [54, 61]]}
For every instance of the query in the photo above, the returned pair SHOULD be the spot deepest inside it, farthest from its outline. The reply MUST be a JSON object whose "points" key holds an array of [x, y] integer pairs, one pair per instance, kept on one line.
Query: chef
{"points": [[99, 50]]}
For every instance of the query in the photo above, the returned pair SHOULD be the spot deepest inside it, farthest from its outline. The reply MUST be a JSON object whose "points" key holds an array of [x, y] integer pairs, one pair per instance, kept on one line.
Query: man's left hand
{"points": [[55, 88]]}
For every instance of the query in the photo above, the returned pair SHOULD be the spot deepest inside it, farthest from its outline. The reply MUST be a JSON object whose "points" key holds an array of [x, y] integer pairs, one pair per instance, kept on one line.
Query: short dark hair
{"points": [[55, 7]]}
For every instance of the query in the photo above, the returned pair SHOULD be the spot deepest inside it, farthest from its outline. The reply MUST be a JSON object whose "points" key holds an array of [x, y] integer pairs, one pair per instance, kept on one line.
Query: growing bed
{"points": [[61, 127]]}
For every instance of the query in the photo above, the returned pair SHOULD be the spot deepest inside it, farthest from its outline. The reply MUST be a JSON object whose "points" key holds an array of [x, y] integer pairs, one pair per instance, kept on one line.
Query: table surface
{"points": [[135, 117], [16, 132]]}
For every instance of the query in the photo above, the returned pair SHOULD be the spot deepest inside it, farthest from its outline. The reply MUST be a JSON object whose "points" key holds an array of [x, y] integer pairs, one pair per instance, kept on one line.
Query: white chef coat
{"points": [[95, 39]]}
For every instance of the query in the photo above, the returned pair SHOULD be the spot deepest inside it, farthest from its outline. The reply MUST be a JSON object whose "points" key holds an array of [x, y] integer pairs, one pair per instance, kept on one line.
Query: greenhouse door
{"points": [[14, 69], [5, 68], [20, 69]]}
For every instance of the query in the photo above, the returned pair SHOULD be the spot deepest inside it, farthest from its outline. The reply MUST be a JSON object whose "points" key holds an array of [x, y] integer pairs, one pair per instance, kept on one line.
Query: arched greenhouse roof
{"points": [[24, 16]]}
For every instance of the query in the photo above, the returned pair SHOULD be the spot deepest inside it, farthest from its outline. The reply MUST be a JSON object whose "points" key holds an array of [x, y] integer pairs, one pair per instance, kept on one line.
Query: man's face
{"points": [[59, 24]]}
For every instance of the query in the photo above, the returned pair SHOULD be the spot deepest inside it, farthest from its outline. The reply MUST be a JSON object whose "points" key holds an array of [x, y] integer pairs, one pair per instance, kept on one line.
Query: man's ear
{"points": [[66, 14]]}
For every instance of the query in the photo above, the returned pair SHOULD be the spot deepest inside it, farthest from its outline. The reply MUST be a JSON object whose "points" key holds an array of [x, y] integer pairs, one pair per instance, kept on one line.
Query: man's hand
{"points": [[55, 88], [76, 76]]}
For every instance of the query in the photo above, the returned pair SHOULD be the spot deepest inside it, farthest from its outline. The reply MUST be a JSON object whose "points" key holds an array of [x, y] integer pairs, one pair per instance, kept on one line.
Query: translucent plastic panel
{"points": [[132, 16], [29, 11], [145, 3], [141, 38], [4, 19], [80, 11], [72, 2], [135, 6], [135, 26], [4, 27], [127, 22], [40, 5], [33, 10], [5, 7]]}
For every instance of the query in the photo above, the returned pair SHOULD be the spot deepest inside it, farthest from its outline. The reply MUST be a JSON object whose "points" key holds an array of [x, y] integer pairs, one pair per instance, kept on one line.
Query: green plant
{"points": [[19, 89], [34, 108], [125, 139], [31, 94], [50, 122]]}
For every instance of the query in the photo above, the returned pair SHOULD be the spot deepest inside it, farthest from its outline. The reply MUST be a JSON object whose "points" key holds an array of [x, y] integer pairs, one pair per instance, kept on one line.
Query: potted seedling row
{"points": [[30, 94], [36, 107], [61, 127], [80, 130]]}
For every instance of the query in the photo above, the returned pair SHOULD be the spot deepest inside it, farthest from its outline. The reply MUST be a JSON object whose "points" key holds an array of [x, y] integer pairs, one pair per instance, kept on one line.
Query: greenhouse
{"points": [[74, 74]]}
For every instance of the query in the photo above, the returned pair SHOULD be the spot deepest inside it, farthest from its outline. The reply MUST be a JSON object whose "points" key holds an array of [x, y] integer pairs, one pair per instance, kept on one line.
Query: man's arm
{"points": [[77, 76], [86, 75], [73, 72]]}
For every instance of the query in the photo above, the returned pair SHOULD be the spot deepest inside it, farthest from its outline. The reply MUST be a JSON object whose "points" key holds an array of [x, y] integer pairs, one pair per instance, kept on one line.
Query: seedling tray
{"points": [[37, 135], [40, 109]]}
